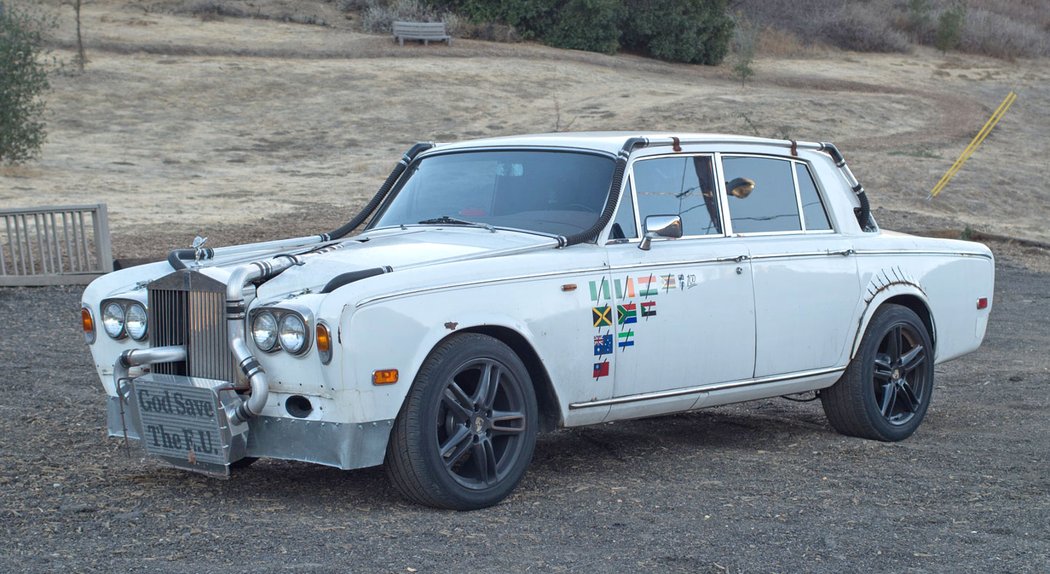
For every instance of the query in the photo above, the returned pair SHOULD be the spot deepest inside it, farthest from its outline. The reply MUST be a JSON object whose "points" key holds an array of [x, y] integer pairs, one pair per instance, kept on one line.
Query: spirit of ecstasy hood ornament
{"points": [[198, 248]]}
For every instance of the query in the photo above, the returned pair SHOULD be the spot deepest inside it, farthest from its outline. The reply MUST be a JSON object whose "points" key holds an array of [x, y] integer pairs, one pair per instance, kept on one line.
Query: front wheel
{"points": [[467, 430], [885, 391]]}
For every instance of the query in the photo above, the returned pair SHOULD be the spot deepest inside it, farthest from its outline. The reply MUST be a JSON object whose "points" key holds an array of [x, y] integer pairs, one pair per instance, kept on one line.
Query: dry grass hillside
{"points": [[252, 128]]}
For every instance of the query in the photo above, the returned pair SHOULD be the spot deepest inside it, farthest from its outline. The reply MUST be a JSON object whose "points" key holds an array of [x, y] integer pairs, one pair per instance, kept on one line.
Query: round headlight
{"points": [[293, 333], [264, 331], [113, 320], [135, 321]]}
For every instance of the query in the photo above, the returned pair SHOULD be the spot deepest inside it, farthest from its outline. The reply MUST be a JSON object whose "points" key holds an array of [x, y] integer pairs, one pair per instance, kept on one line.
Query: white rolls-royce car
{"points": [[509, 286]]}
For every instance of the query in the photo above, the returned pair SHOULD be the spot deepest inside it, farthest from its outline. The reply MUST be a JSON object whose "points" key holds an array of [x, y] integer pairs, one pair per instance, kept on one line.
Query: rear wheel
{"points": [[886, 390], [467, 430]]}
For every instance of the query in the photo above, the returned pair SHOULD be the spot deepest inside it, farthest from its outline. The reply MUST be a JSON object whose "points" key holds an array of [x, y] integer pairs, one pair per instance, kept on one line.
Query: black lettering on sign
{"points": [[196, 408]]}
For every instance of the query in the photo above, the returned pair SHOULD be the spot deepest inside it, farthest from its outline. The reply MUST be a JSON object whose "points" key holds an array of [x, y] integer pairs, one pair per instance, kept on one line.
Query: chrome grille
{"points": [[187, 308]]}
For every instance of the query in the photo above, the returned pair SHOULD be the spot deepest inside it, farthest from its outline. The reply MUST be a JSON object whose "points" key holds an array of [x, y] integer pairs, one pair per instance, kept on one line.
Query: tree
{"points": [[950, 27], [23, 82]]}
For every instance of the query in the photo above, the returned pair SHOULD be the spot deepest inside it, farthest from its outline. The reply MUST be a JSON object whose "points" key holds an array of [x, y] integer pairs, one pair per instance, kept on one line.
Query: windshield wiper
{"points": [[453, 221]]}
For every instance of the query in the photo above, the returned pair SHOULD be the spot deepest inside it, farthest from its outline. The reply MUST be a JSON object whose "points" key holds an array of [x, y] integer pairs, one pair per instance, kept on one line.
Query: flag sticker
{"points": [[601, 369], [603, 344], [647, 286], [627, 313], [599, 291], [602, 316], [648, 308], [625, 290], [625, 339], [669, 282]]}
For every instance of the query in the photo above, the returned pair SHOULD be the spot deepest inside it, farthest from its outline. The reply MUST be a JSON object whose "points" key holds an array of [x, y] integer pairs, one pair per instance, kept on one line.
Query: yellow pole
{"points": [[974, 144]]}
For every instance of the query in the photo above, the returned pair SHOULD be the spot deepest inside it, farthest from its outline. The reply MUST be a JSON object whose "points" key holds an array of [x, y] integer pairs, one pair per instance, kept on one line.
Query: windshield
{"points": [[544, 191]]}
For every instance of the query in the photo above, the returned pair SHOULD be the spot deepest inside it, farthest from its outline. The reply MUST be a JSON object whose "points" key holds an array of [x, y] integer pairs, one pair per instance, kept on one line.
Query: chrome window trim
{"points": [[879, 252], [705, 388]]}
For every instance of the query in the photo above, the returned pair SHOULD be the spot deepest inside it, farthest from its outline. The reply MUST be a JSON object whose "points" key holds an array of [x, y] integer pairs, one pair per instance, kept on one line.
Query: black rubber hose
{"points": [[176, 257], [864, 213], [381, 194], [351, 276], [614, 196]]}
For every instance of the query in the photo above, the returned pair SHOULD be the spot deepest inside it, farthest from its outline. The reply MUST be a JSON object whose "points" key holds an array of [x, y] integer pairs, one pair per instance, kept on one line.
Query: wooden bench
{"points": [[425, 31]]}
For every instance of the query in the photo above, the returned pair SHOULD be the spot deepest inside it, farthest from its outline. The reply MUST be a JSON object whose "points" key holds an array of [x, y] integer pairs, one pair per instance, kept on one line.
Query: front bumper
{"points": [[341, 445]]}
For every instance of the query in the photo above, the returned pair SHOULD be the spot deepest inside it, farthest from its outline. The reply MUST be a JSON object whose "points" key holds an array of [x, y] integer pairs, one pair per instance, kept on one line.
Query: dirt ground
{"points": [[245, 129], [765, 486]]}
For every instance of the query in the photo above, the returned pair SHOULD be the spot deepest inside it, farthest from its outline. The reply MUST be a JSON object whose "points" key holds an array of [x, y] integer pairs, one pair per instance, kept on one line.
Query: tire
{"points": [[454, 445], [885, 391]]}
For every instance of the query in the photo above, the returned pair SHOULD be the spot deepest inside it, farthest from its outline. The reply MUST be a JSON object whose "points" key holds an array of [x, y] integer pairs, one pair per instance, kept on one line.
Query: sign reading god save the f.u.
{"points": [[180, 421]]}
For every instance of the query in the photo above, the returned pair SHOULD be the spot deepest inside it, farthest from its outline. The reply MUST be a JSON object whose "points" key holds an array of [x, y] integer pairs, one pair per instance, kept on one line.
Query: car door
{"points": [[804, 272], [681, 314]]}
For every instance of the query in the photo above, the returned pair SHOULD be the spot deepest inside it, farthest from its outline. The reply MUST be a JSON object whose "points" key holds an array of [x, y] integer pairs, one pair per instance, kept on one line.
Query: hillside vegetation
{"points": [[187, 121]]}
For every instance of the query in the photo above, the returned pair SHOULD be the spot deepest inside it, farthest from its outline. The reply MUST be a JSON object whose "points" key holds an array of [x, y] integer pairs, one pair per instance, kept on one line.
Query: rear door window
{"points": [[761, 195]]}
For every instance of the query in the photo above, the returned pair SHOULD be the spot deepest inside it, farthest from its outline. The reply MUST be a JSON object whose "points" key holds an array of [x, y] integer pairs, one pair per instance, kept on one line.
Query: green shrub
{"points": [[950, 27], [694, 31], [745, 36], [23, 82], [592, 25]]}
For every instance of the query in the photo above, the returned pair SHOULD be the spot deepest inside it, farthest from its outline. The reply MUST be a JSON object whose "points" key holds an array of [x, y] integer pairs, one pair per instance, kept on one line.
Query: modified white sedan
{"points": [[509, 286]]}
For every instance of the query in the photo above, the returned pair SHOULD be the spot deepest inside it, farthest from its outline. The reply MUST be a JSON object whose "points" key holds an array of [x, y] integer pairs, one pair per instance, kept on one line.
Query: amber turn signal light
{"points": [[384, 377], [88, 323], [324, 342]]}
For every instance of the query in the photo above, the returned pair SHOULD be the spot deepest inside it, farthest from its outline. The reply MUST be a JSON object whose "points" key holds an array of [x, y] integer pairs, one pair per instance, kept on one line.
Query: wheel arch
{"points": [[550, 415], [908, 296]]}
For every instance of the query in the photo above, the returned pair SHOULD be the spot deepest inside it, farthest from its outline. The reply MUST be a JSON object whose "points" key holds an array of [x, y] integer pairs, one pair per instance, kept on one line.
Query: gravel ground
{"points": [[760, 487]]}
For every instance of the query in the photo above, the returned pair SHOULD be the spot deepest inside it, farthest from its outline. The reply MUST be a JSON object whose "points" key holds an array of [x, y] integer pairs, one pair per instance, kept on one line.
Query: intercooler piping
{"points": [[236, 311], [864, 215], [381, 194], [135, 357], [614, 195]]}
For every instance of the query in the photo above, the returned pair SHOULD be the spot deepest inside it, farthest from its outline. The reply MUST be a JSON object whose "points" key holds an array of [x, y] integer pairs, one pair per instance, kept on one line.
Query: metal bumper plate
{"points": [[183, 421]]}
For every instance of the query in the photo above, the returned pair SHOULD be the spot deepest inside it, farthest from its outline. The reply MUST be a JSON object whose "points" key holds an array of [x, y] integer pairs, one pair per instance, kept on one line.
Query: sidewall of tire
{"points": [[422, 405], [851, 405]]}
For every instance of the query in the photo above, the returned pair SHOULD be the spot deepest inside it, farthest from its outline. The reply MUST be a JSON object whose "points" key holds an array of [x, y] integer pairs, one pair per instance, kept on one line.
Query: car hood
{"points": [[401, 249]]}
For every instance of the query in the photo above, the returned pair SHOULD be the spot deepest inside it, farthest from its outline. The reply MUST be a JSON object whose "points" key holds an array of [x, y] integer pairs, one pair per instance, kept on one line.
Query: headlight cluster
{"points": [[273, 328], [123, 318]]}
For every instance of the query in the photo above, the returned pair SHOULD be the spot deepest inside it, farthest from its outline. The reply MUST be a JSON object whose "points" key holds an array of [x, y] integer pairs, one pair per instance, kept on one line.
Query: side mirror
{"points": [[669, 226], [740, 187]]}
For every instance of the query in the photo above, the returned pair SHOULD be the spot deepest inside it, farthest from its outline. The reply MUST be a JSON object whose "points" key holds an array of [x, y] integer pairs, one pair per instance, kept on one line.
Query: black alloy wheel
{"points": [[886, 390], [467, 430]]}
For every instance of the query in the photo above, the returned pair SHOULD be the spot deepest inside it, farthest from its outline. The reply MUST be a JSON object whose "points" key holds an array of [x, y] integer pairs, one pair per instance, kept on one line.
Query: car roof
{"points": [[609, 142]]}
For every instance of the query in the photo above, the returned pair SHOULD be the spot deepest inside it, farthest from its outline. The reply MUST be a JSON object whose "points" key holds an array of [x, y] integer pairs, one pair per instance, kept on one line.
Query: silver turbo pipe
{"points": [[236, 312], [135, 357]]}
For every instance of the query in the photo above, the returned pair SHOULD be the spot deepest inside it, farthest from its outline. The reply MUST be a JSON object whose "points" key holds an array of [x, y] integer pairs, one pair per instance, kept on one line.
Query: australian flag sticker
{"points": [[603, 344]]}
